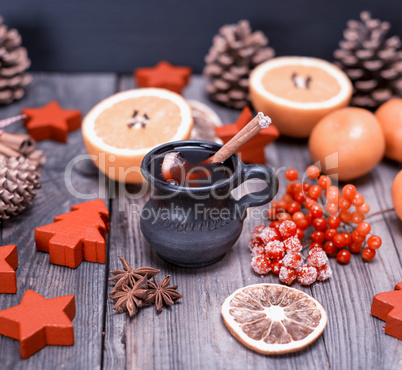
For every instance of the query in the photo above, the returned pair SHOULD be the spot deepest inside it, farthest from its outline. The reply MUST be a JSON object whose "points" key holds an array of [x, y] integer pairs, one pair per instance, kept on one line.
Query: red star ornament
{"points": [[163, 75], [253, 150], [387, 306], [8, 265], [76, 236], [51, 122], [37, 322]]}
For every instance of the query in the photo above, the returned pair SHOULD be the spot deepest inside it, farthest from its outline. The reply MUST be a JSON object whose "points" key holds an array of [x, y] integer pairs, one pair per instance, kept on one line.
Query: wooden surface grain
{"points": [[191, 334]]}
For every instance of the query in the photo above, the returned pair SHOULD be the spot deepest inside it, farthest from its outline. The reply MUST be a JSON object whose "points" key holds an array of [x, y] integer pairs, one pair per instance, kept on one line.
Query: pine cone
{"points": [[13, 64], [235, 51], [372, 62], [18, 180]]}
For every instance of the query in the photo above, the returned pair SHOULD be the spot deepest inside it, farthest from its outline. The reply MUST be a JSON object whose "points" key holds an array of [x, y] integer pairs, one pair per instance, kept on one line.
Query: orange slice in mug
{"points": [[296, 92], [120, 130]]}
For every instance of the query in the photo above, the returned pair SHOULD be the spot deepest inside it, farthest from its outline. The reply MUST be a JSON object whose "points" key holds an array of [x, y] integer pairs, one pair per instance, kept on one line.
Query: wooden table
{"points": [[190, 335]]}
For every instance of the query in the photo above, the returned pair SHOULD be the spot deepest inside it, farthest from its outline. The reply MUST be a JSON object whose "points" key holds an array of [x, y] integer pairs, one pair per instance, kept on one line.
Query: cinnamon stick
{"points": [[252, 128], [22, 143]]}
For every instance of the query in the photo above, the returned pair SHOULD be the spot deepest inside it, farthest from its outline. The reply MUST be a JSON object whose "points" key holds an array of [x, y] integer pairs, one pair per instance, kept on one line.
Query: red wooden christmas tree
{"points": [[76, 236]]}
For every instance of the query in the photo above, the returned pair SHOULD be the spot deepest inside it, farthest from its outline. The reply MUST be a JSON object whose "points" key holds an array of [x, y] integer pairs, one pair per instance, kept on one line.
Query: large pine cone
{"points": [[235, 51], [371, 61], [13, 65], [18, 180]]}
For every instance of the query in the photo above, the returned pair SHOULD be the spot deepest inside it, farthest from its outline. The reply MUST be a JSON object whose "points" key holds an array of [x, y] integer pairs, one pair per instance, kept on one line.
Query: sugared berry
{"points": [[317, 257], [255, 242], [323, 272], [275, 249], [292, 260], [363, 228], [276, 267], [374, 242], [287, 275], [261, 264], [293, 245], [368, 254], [257, 230], [306, 275], [259, 251], [287, 229], [343, 256], [269, 234], [349, 191], [291, 174]]}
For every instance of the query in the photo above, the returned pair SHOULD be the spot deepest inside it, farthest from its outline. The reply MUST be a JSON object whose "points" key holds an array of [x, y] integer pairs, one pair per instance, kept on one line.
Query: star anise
{"points": [[160, 293], [131, 298], [129, 276]]}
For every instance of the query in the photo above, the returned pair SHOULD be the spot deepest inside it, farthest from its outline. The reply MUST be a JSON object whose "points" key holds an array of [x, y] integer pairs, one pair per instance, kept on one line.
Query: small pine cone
{"points": [[235, 51], [372, 61], [18, 181], [13, 65]]}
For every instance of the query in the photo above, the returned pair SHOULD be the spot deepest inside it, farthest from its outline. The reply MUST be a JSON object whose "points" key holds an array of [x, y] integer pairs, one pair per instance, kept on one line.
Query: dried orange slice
{"points": [[273, 318]]}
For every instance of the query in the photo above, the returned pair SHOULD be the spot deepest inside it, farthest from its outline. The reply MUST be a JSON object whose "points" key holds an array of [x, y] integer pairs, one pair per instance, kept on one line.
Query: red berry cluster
{"points": [[277, 248], [341, 233]]}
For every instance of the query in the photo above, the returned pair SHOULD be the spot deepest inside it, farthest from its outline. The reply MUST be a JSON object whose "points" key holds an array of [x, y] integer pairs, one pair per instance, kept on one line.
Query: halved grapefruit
{"points": [[122, 129], [273, 318], [296, 92]]}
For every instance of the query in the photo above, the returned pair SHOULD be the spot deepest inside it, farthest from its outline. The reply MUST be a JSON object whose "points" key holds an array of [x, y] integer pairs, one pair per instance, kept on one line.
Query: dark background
{"points": [[120, 35]]}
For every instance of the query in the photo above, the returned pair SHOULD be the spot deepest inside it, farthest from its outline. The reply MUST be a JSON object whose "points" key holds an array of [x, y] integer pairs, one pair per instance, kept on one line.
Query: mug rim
{"points": [[151, 179]]}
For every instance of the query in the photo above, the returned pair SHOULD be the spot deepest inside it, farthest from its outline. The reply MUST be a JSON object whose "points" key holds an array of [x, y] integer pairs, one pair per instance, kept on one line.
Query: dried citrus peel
{"points": [[273, 319]]}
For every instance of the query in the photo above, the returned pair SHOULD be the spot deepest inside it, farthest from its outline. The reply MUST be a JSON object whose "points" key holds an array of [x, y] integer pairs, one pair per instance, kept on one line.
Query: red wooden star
{"points": [[387, 306], [163, 75], [8, 265], [253, 150], [51, 122], [37, 322]]}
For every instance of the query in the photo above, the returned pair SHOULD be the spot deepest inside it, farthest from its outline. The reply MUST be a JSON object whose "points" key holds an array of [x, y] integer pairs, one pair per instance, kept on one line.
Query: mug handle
{"points": [[259, 198]]}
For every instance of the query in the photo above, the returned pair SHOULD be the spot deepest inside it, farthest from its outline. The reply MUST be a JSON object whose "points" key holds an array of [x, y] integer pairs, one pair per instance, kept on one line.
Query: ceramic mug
{"points": [[196, 226]]}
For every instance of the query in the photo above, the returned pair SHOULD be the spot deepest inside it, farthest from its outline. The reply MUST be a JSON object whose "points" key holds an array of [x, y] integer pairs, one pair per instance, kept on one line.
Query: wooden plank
{"points": [[191, 334], [87, 282], [353, 338]]}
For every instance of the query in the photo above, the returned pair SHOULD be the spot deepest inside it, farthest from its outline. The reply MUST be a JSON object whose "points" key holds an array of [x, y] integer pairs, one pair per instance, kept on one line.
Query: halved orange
{"points": [[296, 92], [122, 129], [273, 318]]}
